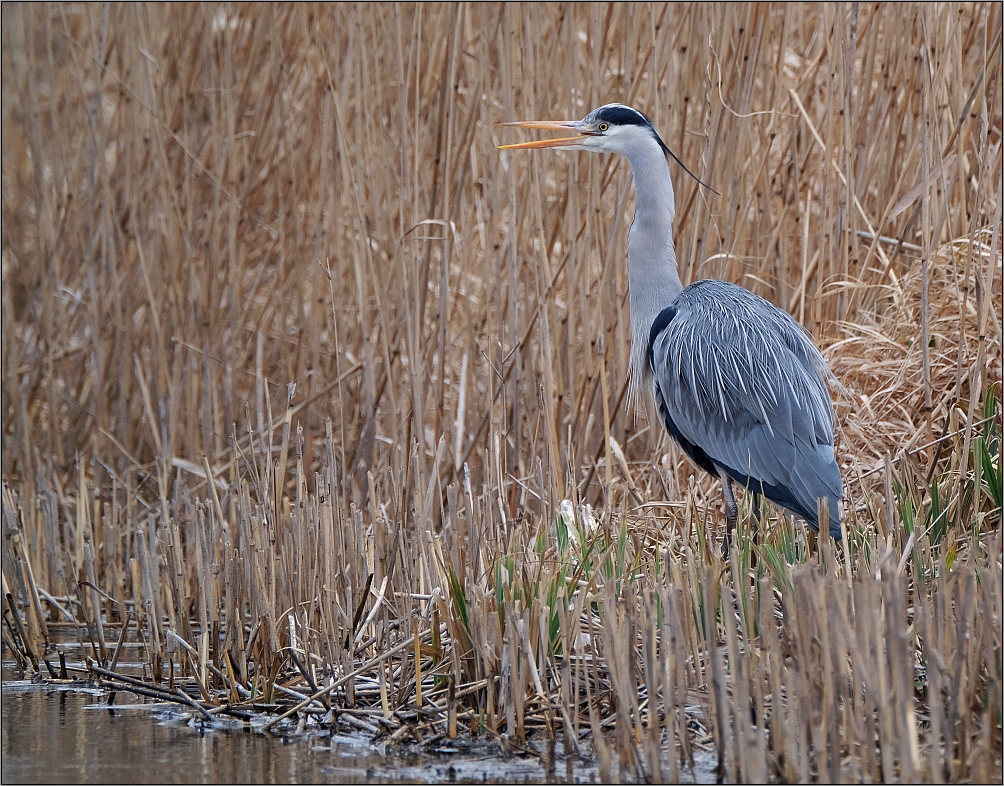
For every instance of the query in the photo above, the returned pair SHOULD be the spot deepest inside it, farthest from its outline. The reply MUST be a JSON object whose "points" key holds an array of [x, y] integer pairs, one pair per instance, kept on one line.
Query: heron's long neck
{"points": [[652, 275]]}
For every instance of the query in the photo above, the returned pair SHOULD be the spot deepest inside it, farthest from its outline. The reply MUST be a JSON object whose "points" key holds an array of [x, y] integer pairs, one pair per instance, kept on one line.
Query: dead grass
{"points": [[202, 204]]}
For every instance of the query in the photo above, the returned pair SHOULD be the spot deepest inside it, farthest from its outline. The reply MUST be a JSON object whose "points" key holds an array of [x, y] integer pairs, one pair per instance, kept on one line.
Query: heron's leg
{"points": [[731, 510]]}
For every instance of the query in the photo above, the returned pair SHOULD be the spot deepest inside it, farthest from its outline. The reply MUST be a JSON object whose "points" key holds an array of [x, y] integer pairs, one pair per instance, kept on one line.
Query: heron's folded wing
{"points": [[739, 382]]}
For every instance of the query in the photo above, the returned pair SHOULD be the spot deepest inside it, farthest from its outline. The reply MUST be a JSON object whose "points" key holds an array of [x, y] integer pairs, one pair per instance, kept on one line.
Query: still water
{"points": [[61, 733], [72, 735]]}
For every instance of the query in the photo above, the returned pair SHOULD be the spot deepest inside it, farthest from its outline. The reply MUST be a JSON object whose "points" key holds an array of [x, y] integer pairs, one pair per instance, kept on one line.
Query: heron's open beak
{"points": [[547, 125]]}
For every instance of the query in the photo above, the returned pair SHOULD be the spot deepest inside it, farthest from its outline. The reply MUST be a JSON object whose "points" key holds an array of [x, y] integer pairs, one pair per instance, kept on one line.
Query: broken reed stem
{"points": [[413, 640]]}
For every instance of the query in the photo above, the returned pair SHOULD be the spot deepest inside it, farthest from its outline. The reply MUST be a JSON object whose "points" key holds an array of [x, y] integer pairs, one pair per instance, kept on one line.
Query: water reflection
{"points": [[62, 735]]}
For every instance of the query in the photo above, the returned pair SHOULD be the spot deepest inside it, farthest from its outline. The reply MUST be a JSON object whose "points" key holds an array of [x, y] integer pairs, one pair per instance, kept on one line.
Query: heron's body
{"points": [[738, 383]]}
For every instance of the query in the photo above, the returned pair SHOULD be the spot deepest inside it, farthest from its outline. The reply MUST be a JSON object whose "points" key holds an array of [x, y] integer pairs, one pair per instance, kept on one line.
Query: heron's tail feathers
{"points": [[818, 477]]}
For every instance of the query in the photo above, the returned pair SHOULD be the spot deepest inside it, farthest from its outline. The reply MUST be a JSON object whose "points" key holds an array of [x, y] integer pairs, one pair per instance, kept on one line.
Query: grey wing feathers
{"points": [[743, 381]]}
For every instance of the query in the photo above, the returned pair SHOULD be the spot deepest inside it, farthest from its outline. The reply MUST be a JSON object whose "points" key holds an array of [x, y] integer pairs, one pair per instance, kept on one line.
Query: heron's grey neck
{"points": [[652, 275]]}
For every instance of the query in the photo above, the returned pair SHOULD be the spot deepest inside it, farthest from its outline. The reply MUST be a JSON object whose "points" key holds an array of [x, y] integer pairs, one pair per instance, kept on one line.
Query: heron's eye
{"points": [[603, 127]]}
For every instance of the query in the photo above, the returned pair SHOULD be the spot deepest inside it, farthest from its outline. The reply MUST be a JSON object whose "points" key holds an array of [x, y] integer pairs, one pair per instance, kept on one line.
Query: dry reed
{"points": [[434, 524]]}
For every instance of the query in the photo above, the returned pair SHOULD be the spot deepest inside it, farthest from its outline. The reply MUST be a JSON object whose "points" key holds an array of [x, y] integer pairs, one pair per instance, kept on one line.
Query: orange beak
{"points": [[547, 125]]}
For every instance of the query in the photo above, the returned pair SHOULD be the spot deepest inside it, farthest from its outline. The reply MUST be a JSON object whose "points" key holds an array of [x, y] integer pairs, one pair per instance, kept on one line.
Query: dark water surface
{"points": [[59, 733], [71, 735]]}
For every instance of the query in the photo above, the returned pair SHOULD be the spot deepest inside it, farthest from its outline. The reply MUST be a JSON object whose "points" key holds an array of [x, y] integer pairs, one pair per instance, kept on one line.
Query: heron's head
{"points": [[613, 128]]}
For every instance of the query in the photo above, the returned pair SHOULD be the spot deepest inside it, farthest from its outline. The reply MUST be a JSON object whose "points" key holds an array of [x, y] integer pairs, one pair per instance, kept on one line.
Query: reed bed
{"points": [[319, 402]]}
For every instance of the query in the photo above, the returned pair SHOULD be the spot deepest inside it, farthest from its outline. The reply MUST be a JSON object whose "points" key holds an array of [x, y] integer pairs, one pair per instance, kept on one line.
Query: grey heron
{"points": [[738, 383]]}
